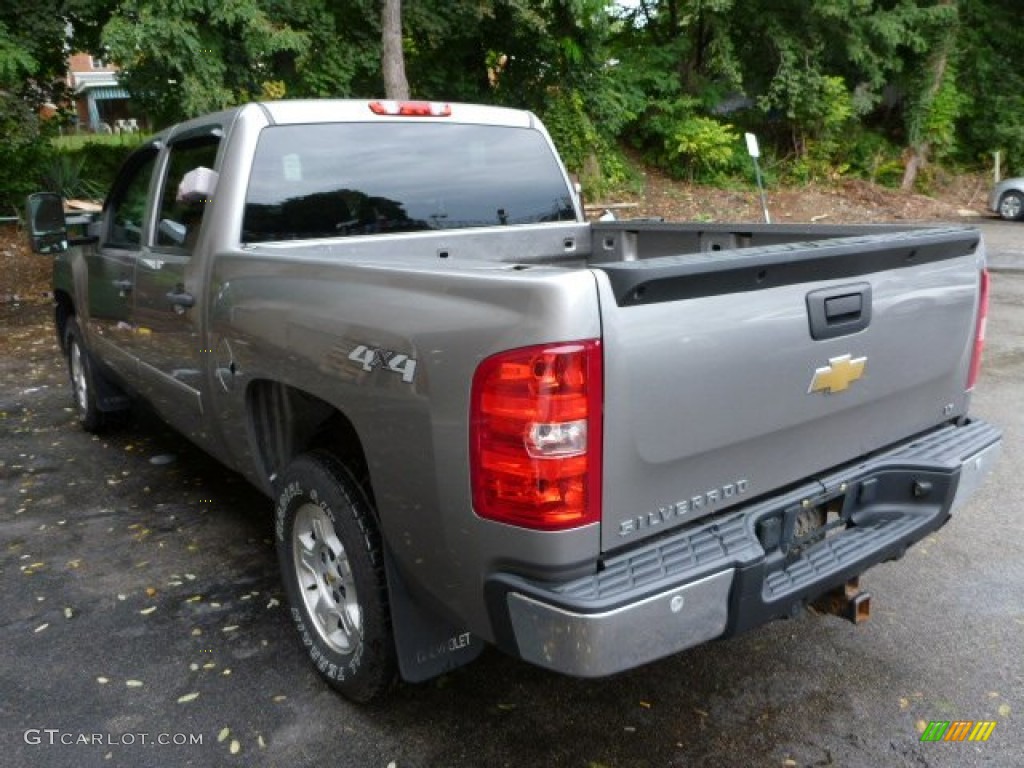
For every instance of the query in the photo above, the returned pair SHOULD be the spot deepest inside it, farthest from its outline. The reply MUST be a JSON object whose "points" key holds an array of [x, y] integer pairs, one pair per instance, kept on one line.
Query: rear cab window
{"points": [[349, 179]]}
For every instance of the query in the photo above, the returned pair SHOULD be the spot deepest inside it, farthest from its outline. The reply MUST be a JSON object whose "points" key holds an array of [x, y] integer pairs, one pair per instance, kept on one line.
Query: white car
{"points": [[1007, 199]]}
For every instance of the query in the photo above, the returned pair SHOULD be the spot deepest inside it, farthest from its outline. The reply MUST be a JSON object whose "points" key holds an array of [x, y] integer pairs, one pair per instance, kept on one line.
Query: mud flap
{"points": [[427, 645], [109, 398]]}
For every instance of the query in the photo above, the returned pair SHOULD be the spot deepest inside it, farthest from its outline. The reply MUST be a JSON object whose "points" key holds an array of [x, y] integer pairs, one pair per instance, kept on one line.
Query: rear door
{"points": [[167, 318], [732, 375]]}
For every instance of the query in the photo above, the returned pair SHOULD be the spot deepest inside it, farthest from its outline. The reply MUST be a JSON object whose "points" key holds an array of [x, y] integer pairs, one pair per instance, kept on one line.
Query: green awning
{"points": [[108, 92]]}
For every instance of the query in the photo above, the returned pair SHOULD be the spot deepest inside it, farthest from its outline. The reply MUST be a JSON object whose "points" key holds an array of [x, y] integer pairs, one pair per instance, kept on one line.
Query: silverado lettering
{"points": [[694, 504]]}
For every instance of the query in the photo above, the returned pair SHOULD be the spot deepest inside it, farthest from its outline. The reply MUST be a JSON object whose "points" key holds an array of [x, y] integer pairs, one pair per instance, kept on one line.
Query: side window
{"points": [[128, 202], [182, 207]]}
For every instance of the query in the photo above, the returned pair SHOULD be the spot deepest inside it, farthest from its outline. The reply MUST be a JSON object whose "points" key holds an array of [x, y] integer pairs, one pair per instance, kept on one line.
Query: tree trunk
{"points": [[915, 157], [396, 86]]}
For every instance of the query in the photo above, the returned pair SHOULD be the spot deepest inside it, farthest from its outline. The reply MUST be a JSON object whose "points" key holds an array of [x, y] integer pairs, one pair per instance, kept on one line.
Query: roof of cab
{"points": [[294, 111], [305, 111]]}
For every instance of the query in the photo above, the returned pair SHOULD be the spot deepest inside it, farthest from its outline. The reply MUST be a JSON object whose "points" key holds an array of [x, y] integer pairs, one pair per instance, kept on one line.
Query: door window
{"points": [[180, 216], [128, 201]]}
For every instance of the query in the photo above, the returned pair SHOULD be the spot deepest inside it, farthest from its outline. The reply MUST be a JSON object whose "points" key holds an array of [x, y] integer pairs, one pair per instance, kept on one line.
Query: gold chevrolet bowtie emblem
{"points": [[838, 375]]}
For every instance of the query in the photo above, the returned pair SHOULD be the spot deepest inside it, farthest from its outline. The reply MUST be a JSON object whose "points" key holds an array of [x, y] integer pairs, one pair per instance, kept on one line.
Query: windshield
{"points": [[343, 179]]}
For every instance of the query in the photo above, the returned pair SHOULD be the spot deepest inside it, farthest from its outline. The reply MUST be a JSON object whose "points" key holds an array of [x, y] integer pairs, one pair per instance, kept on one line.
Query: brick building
{"points": [[102, 105]]}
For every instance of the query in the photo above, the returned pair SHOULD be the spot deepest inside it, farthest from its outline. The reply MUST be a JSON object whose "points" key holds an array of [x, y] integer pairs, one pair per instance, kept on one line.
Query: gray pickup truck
{"points": [[483, 419]]}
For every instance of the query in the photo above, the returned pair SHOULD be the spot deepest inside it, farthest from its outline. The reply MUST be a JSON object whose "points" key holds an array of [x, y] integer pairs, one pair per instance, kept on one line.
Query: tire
{"points": [[332, 567], [1011, 206], [84, 390]]}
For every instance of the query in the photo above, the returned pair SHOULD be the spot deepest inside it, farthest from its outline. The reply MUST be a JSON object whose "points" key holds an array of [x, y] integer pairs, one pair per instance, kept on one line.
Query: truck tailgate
{"points": [[731, 375]]}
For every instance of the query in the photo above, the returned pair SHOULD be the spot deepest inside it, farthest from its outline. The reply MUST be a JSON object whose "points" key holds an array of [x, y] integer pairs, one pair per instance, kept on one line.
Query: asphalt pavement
{"points": [[1004, 242], [142, 623]]}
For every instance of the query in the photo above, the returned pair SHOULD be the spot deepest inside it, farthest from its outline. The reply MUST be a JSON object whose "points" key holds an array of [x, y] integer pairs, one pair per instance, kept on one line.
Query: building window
{"points": [[97, 62]]}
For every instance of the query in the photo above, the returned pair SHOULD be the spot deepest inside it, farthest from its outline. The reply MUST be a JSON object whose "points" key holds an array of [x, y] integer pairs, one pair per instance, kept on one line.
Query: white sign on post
{"points": [[752, 149], [755, 152]]}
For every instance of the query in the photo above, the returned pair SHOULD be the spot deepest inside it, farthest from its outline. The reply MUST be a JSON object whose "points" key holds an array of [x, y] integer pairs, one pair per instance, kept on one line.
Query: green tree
{"points": [[991, 82], [812, 78], [197, 56], [343, 57], [34, 44], [549, 56], [22, 151], [33, 65], [825, 84], [933, 104]]}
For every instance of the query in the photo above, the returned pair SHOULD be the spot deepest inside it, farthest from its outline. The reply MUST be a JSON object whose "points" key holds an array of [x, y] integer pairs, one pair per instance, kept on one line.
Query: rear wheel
{"points": [[83, 379], [332, 567], [1011, 206]]}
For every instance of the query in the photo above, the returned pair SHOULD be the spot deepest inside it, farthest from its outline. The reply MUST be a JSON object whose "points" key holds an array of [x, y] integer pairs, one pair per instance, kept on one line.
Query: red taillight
{"points": [[535, 436], [411, 108], [979, 332]]}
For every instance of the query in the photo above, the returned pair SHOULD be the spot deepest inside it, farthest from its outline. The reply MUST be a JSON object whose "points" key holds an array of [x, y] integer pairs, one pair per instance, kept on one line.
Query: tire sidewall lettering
{"points": [[288, 495], [321, 660], [327, 663], [284, 503], [367, 667]]}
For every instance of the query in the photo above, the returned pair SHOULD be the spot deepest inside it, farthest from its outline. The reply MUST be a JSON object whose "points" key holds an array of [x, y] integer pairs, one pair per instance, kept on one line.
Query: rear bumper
{"points": [[745, 567]]}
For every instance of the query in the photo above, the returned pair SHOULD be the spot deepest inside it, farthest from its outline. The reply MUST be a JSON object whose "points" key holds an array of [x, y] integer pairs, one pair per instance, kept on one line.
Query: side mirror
{"points": [[174, 231], [198, 185], [47, 228]]}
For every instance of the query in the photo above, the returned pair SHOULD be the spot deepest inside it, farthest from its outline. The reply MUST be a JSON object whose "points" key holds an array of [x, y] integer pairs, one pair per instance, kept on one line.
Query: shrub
{"points": [[583, 149], [100, 161], [704, 146], [85, 166], [24, 152], [64, 174]]}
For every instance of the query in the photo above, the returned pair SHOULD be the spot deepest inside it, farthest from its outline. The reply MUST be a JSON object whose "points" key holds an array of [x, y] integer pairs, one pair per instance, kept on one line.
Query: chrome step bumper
{"points": [[747, 566]]}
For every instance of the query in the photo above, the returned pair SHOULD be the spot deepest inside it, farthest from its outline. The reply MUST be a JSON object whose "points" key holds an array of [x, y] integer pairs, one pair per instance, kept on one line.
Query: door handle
{"points": [[181, 298]]}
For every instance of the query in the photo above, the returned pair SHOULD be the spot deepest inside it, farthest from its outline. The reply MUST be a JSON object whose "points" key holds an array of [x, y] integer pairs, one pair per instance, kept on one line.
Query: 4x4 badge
{"points": [[375, 357], [838, 375]]}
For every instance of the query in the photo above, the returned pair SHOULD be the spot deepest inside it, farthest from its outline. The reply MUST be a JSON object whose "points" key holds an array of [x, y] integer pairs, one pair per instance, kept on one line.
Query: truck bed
{"points": [[710, 341]]}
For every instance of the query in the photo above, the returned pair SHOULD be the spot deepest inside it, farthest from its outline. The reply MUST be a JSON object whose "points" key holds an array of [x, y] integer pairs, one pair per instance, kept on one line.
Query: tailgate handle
{"points": [[840, 311], [843, 309]]}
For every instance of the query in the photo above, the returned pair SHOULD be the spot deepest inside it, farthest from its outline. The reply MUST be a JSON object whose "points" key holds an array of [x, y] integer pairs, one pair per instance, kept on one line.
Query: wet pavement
{"points": [[141, 604], [1005, 244]]}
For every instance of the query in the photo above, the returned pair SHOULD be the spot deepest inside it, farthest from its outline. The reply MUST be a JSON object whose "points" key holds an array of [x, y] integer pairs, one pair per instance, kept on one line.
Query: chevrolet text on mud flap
{"points": [[486, 420], [451, 645]]}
